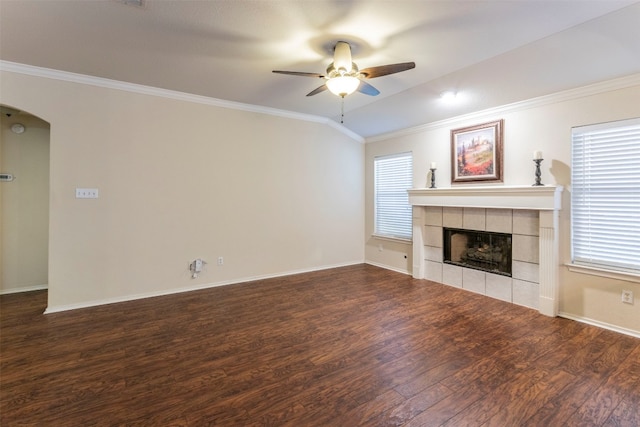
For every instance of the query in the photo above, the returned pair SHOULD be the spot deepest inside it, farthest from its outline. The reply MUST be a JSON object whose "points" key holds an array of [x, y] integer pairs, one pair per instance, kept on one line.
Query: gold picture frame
{"points": [[477, 153]]}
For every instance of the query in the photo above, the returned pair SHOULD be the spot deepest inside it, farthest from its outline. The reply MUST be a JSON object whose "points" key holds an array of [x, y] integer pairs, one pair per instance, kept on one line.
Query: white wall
{"points": [[181, 180], [543, 124], [24, 204]]}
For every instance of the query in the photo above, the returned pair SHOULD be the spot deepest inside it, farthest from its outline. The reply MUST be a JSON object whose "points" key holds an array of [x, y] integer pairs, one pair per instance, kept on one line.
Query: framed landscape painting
{"points": [[476, 153]]}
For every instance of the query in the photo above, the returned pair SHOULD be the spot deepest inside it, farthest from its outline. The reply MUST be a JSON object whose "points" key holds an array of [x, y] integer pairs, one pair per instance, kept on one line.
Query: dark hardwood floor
{"points": [[353, 346]]}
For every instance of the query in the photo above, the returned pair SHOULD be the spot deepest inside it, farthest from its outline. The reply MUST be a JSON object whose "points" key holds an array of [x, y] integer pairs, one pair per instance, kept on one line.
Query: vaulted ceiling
{"points": [[489, 52]]}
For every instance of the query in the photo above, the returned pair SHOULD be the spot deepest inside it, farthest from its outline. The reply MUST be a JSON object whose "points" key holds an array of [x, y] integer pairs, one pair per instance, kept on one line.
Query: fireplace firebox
{"points": [[479, 250]]}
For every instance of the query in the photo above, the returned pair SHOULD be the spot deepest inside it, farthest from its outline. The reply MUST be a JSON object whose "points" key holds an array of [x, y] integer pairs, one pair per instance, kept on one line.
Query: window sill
{"points": [[611, 274], [392, 239]]}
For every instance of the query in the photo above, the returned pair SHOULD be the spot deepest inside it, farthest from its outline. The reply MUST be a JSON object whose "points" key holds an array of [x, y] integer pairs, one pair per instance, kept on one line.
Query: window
{"points": [[605, 196], [393, 176]]}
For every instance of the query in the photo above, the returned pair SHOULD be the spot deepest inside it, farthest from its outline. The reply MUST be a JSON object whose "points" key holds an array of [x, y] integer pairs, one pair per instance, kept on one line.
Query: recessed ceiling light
{"points": [[449, 96]]}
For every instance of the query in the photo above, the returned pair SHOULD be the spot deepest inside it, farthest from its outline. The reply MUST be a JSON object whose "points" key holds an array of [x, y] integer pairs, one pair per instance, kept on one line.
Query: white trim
{"points": [[495, 197], [48, 73], [342, 129], [386, 267], [24, 289], [599, 324], [570, 94], [93, 303], [605, 126], [567, 95], [404, 240], [601, 272]]}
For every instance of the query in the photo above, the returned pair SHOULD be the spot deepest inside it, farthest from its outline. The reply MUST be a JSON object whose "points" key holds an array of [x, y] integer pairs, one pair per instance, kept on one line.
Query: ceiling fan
{"points": [[343, 77]]}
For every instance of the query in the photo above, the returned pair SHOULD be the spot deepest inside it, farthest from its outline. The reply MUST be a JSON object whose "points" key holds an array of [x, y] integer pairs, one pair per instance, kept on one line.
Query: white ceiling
{"points": [[490, 52]]}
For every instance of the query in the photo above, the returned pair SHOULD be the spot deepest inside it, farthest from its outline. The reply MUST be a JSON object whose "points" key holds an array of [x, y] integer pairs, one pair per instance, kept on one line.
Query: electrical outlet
{"points": [[627, 297], [220, 260]]}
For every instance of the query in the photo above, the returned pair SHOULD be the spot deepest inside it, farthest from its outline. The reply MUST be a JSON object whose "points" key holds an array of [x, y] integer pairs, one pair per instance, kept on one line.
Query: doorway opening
{"points": [[24, 201]]}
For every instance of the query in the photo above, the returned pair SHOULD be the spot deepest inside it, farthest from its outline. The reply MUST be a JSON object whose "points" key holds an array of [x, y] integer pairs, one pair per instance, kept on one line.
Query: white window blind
{"points": [[605, 196], [393, 176]]}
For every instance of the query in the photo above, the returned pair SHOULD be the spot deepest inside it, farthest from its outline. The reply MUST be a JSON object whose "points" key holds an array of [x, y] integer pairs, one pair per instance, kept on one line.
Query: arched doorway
{"points": [[24, 201]]}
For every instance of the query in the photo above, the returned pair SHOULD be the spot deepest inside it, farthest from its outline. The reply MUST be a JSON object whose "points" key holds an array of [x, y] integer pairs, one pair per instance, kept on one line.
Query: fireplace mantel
{"points": [[503, 197], [546, 200]]}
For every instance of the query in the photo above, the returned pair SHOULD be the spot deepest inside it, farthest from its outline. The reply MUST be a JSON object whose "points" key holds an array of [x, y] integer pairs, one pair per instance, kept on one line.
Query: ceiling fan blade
{"points": [[317, 90], [383, 70], [367, 89], [298, 73]]}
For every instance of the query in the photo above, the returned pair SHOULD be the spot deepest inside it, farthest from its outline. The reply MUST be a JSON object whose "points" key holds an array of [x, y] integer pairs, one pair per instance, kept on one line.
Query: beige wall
{"points": [[542, 125], [182, 180], [24, 204]]}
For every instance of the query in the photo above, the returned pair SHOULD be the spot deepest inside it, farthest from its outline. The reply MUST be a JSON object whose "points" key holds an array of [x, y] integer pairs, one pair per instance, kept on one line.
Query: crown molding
{"points": [[570, 94], [84, 79], [567, 95]]}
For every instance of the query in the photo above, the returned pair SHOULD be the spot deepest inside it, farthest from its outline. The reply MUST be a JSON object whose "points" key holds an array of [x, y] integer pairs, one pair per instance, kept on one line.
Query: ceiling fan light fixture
{"points": [[343, 76], [343, 85], [342, 57]]}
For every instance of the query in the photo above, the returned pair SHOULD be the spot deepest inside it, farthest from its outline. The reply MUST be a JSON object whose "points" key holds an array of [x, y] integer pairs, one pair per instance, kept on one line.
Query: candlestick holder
{"points": [[538, 173], [433, 177]]}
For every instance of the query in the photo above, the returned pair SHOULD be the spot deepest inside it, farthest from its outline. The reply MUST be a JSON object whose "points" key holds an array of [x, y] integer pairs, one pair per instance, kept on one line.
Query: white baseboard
{"points": [[599, 324], [93, 303], [386, 267], [23, 289], [547, 306]]}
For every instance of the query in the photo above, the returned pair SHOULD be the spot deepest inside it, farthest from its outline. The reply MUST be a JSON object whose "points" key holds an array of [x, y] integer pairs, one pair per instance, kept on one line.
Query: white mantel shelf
{"points": [[504, 197]]}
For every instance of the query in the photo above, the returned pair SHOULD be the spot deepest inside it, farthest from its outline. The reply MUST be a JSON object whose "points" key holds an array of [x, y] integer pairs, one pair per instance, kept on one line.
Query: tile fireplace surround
{"points": [[530, 214]]}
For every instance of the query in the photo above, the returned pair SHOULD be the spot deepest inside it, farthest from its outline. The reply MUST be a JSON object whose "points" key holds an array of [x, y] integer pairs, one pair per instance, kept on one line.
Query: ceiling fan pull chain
{"points": [[342, 110]]}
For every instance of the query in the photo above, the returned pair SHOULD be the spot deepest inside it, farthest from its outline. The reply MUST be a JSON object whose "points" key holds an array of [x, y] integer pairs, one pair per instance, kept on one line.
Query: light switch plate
{"points": [[86, 193]]}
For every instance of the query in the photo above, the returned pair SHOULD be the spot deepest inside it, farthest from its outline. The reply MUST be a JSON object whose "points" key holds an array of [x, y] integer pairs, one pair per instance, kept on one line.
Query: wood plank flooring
{"points": [[352, 346]]}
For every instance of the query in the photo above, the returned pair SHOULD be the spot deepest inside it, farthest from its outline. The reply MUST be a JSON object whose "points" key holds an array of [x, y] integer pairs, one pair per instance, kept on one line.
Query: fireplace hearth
{"points": [[479, 250]]}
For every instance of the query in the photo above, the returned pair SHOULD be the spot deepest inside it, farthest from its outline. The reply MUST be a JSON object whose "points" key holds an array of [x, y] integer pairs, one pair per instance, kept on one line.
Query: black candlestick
{"points": [[433, 178], [538, 173]]}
